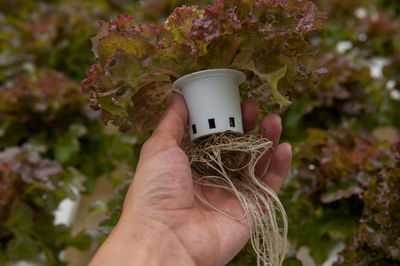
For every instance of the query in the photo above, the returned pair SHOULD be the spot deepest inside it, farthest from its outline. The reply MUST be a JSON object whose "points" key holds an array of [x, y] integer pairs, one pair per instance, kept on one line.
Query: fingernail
{"points": [[290, 145], [280, 119]]}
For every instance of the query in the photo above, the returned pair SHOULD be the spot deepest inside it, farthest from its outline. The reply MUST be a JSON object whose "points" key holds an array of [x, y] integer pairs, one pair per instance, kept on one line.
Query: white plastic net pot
{"points": [[213, 100]]}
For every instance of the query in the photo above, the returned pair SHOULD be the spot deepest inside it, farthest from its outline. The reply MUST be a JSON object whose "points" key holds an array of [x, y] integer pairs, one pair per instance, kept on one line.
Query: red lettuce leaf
{"points": [[137, 64]]}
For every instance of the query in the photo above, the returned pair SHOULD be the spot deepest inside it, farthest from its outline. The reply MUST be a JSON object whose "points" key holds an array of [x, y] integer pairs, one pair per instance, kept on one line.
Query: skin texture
{"points": [[163, 223]]}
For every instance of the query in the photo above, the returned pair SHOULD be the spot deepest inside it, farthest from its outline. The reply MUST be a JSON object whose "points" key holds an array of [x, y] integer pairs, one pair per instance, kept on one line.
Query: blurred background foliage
{"points": [[343, 190]]}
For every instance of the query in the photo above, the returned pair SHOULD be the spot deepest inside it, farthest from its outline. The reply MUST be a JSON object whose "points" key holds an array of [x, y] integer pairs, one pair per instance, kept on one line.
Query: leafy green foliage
{"points": [[347, 92], [333, 167], [390, 5], [44, 52], [337, 164], [51, 142], [326, 198], [39, 99], [30, 189], [365, 23], [157, 10], [51, 111], [57, 140], [53, 34], [112, 209], [376, 241], [131, 82], [246, 257], [344, 91]]}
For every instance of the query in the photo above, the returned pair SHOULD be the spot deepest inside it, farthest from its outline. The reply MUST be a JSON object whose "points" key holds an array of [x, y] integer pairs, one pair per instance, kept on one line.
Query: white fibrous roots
{"points": [[228, 161]]}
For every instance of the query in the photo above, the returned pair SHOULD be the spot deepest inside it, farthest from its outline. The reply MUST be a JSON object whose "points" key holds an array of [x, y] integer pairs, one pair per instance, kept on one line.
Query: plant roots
{"points": [[228, 161]]}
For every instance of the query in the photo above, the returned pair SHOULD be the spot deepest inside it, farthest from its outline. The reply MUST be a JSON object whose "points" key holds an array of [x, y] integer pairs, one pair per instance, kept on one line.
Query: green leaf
{"points": [[150, 104], [107, 225], [127, 67], [22, 246], [77, 130], [65, 148], [82, 241], [107, 104], [4, 260], [77, 179], [345, 190], [180, 23], [244, 61], [268, 34], [97, 208], [20, 220], [292, 262], [273, 79]]}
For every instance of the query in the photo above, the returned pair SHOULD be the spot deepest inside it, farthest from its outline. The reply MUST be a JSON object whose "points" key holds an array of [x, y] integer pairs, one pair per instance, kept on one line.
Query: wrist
{"points": [[138, 242]]}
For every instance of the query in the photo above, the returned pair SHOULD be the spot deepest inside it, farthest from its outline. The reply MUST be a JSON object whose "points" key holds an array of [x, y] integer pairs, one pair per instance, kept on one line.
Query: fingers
{"points": [[271, 129], [249, 114], [171, 127], [174, 120], [279, 167]]}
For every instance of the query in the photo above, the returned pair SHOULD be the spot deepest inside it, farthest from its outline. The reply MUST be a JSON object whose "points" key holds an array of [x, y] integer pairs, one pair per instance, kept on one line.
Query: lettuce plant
{"points": [[340, 174], [346, 90], [332, 207], [53, 34], [376, 240], [49, 138], [136, 65], [370, 25], [45, 107], [45, 124], [31, 187], [157, 10]]}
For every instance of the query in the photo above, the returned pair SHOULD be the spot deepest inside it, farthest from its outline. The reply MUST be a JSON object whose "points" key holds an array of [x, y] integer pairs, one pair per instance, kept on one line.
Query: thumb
{"points": [[174, 120], [171, 127]]}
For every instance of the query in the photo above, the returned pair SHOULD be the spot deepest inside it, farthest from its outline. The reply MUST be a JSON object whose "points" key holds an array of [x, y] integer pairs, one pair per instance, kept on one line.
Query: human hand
{"points": [[163, 223]]}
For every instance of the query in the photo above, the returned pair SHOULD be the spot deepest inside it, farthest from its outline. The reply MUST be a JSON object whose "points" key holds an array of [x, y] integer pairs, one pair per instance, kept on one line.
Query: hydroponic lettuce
{"points": [[136, 65], [40, 101], [158, 10], [367, 25], [349, 90], [31, 188], [338, 164], [346, 90], [40, 94], [53, 34], [339, 194], [377, 239], [44, 107]]}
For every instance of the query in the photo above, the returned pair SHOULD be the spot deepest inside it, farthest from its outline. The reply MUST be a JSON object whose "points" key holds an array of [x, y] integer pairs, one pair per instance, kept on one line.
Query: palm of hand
{"points": [[204, 232], [163, 190]]}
